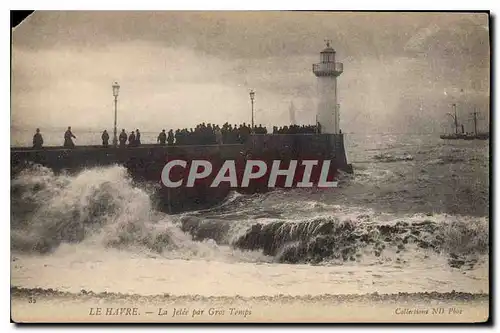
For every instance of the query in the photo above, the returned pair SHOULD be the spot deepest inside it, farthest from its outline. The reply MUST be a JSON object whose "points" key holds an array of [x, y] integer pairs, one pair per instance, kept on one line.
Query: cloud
{"points": [[180, 68], [419, 40]]}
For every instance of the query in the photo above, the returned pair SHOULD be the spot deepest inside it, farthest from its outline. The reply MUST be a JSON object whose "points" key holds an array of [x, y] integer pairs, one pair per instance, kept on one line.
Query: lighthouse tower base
{"points": [[327, 113]]}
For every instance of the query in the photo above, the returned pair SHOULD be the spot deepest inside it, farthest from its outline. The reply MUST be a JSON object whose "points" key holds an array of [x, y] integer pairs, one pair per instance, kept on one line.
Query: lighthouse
{"points": [[327, 71]]}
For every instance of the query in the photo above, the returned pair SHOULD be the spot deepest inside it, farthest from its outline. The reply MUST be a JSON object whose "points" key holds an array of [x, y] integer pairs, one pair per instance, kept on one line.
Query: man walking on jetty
{"points": [[37, 140], [170, 138], [123, 138], [68, 135], [137, 137], [105, 138], [131, 139], [162, 137]]}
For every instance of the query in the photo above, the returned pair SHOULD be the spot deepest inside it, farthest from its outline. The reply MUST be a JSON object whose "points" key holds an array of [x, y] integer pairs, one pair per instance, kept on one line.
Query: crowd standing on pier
{"points": [[134, 138], [202, 134]]}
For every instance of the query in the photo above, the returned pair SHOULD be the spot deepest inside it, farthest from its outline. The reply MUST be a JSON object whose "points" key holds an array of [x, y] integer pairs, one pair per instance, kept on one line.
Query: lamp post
{"points": [[116, 89], [252, 97]]}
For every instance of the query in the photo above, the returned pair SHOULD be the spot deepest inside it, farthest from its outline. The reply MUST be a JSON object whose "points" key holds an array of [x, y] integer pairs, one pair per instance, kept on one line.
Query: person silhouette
{"points": [[123, 138], [68, 135], [162, 137], [171, 137], [37, 140], [137, 137], [131, 139], [105, 138]]}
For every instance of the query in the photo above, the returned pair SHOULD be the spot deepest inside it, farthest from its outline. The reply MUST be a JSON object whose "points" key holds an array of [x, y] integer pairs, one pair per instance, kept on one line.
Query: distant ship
{"points": [[454, 136], [463, 135], [482, 136]]}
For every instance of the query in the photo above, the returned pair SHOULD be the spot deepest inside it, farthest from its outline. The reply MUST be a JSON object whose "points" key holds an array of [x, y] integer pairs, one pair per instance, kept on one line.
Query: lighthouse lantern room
{"points": [[327, 71]]}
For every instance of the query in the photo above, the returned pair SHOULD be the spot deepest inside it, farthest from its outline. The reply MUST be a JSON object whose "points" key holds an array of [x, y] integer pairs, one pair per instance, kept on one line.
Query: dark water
{"points": [[408, 193]]}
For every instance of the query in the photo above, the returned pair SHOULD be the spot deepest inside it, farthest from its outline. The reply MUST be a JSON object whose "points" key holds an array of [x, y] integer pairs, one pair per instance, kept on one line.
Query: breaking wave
{"points": [[54, 209], [103, 206], [336, 240], [100, 206]]}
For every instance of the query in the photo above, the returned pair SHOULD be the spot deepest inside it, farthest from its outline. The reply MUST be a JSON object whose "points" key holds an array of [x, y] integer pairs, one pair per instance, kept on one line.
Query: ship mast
{"points": [[475, 121], [456, 119], [454, 116]]}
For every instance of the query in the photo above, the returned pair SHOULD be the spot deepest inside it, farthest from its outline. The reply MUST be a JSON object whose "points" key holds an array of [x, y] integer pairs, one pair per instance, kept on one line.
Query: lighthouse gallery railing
{"points": [[326, 68]]}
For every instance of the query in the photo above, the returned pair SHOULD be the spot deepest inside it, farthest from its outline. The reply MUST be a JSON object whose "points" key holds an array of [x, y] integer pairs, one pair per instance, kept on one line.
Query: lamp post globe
{"points": [[116, 89]]}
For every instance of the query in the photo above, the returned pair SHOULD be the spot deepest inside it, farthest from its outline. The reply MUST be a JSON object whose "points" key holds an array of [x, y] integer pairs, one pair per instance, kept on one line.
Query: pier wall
{"points": [[145, 163]]}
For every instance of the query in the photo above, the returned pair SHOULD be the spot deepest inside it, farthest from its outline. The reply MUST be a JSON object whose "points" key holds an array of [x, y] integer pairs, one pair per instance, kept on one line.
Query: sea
{"points": [[412, 218]]}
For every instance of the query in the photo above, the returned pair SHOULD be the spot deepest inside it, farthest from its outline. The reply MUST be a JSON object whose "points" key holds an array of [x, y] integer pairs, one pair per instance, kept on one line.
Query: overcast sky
{"points": [[401, 70]]}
